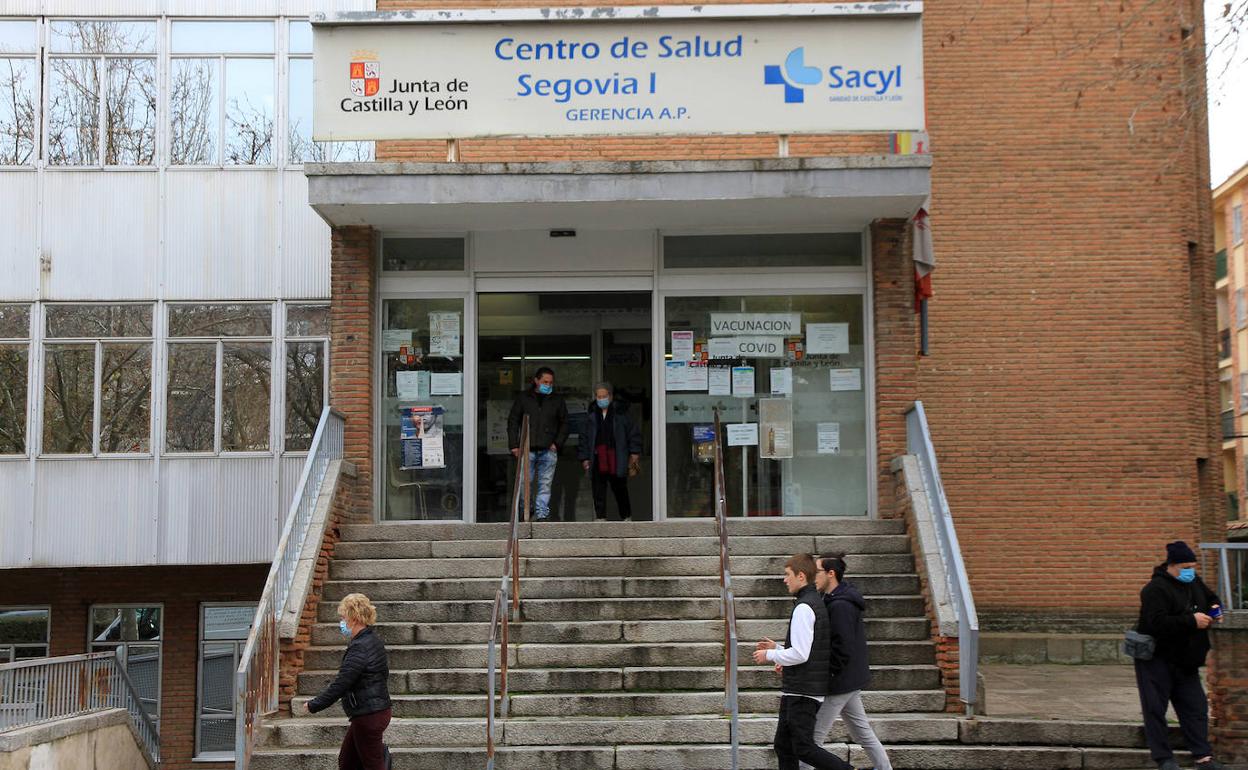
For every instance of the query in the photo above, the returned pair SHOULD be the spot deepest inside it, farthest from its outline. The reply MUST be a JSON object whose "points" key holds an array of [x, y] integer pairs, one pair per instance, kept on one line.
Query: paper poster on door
{"points": [[828, 439], [743, 434], [420, 438], [775, 419], [827, 339], [444, 334]]}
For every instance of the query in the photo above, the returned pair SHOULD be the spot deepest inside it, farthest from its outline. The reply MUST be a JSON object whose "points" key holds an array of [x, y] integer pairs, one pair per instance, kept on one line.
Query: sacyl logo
{"points": [[794, 74]]}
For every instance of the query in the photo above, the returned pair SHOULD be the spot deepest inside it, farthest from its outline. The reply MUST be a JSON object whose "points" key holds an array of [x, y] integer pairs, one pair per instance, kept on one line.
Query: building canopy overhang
{"points": [[826, 193]]}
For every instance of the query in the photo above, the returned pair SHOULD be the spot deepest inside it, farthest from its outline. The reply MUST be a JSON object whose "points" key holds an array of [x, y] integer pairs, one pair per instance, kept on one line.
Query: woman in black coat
{"points": [[361, 685], [610, 447]]}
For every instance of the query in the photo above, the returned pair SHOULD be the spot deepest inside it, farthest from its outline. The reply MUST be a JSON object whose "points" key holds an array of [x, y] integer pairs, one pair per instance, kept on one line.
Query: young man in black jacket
{"points": [[849, 669], [1174, 610], [803, 661]]}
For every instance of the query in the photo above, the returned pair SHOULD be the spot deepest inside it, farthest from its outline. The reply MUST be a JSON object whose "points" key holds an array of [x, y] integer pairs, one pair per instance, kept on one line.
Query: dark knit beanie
{"points": [[1178, 552]]}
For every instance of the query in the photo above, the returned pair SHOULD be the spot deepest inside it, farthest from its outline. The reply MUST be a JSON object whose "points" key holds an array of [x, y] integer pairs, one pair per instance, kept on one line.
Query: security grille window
{"points": [[222, 93], [307, 349], [97, 379], [14, 377], [137, 631], [223, 631], [1237, 224], [23, 633], [102, 93], [19, 86], [219, 376], [299, 108]]}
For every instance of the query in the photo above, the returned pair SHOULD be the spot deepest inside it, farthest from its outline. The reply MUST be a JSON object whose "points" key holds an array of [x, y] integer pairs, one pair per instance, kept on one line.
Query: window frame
{"points": [[325, 341], [159, 643], [97, 388], [279, 117], [196, 753], [47, 632], [32, 382], [273, 340], [158, 56], [35, 55]]}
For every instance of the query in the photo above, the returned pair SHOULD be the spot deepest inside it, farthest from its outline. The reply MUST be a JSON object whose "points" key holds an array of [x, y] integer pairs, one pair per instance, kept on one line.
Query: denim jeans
{"points": [[542, 464]]}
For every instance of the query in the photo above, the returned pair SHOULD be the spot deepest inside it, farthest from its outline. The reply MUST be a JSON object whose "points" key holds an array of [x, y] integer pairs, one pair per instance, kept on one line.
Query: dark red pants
{"points": [[362, 747]]}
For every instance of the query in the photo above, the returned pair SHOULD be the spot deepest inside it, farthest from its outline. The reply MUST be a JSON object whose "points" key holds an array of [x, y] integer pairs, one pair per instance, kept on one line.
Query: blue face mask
{"points": [[603, 403], [545, 389], [1187, 574], [343, 629]]}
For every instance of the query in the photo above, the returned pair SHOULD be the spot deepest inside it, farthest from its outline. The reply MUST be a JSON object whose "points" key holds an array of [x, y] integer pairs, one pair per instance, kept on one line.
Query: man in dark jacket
{"points": [[803, 660], [548, 430], [1174, 610], [849, 670]]}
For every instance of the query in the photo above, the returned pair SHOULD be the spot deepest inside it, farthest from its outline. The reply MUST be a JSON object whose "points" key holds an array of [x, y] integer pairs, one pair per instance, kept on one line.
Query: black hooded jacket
{"points": [[849, 669], [1167, 609], [361, 680]]}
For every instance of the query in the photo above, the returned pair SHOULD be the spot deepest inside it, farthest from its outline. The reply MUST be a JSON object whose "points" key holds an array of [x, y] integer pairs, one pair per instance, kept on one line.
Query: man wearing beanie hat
{"points": [[1174, 610]]}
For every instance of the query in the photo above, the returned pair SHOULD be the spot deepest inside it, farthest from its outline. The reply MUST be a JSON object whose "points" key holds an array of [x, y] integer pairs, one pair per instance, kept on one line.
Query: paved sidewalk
{"points": [[1050, 691]]}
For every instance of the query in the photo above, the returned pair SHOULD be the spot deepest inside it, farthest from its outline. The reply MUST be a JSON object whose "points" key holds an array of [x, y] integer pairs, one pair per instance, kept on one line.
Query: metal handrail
{"points": [[1234, 595], [48, 689], [727, 603], [508, 593], [256, 680], [919, 444]]}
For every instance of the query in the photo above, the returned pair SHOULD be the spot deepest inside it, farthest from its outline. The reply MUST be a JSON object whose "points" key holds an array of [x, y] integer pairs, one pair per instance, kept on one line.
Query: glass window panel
{"points": [[191, 399], [222, 37], [228, 623], [307, 320], [14, 374], [249, 111], [125, 624], [220, 320], [15, 321], [84, 36], [74, 112], [20, 36], [305, 392], [300, 37], [245, 378], [18, 80], [125, 398], [130, 107], [299, 118], [194, 110], [763, 250], [217, 678], [23, 626], [423, 253], [91, 321], [68, 398], [828, 473]]}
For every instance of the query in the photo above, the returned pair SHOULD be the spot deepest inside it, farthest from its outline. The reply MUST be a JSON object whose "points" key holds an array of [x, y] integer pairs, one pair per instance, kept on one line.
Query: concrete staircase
{"points": [[618, 661]]}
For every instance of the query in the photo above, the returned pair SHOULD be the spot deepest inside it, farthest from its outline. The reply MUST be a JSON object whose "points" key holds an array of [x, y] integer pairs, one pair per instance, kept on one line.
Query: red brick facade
{"points": [[179, 590]]}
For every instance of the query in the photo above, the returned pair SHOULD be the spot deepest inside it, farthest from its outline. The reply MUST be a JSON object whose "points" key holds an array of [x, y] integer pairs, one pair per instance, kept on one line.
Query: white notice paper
{"points": [[827, 339], [743, 434], [845, 379], [393, 339], [412, 386], [743, 381], [720, 381], [682, 346], [829, 438], [446, 384], [444, 334], [781, 382]]}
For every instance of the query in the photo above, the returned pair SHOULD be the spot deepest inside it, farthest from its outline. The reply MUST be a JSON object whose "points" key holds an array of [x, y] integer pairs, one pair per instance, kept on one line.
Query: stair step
{"points": [[905, 605], [878, 629], [760, 527], [601, 566], [447, 589], [633, 704], [626, 546]]}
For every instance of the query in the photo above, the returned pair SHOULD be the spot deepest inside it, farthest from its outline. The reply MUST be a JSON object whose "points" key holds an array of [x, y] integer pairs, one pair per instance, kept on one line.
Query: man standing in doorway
{"points": [[803, 662], [548, 430]]}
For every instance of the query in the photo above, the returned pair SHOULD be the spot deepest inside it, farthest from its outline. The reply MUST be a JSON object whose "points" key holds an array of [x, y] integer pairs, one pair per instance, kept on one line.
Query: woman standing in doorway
{"points": [[611, 451]]}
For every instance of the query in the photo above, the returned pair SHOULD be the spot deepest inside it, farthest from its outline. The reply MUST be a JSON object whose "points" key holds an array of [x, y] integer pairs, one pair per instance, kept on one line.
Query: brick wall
{"points": [[180, 590], [353, 315]]}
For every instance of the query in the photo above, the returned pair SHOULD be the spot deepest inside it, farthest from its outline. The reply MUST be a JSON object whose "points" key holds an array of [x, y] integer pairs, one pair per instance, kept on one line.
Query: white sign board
{"points": [[694, 75]]}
